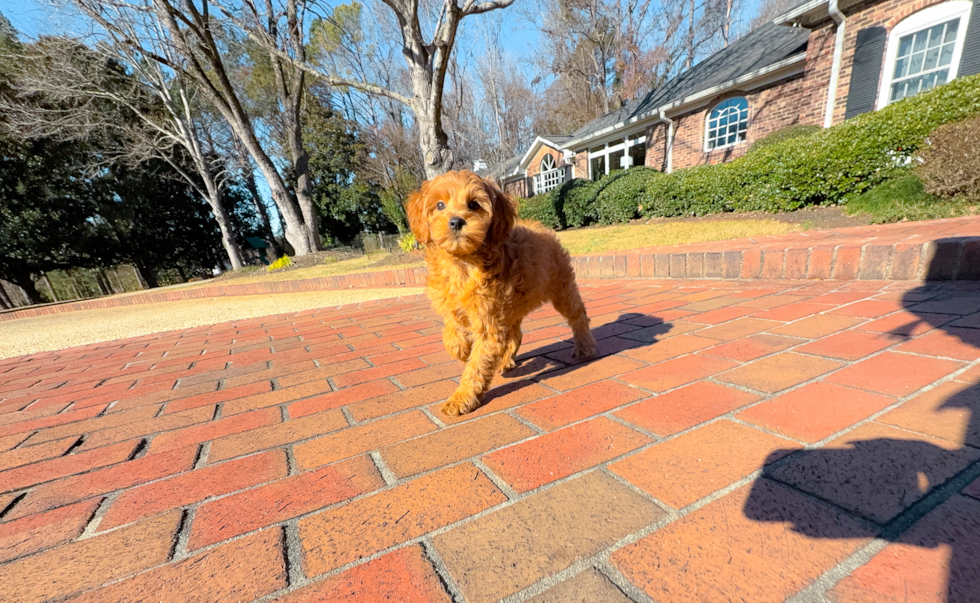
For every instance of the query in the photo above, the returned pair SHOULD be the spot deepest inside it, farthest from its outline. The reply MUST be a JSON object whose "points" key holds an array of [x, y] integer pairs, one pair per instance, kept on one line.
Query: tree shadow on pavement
{"points": [[904, 488]]}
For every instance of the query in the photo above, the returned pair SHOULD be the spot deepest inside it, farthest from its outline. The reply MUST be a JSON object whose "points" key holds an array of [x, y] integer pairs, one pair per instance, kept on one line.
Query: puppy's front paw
{"points": [[508, 365], [459, 404], [584, 350]]}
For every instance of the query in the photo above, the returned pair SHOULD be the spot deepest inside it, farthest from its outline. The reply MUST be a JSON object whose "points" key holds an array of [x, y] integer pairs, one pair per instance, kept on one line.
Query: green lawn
{"points": [[637, 236]]}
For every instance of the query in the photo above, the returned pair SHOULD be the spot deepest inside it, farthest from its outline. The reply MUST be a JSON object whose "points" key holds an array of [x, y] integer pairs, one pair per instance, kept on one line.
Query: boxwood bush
{"points": [[540, 208], [620, 200]]}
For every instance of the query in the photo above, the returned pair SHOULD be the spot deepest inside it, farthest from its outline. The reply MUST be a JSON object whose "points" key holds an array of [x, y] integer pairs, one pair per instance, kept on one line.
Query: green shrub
{"points": [[575, 198], [787, 133], [825, 167], [620, 200], [540, 208], [904, 198], [578, 199]]}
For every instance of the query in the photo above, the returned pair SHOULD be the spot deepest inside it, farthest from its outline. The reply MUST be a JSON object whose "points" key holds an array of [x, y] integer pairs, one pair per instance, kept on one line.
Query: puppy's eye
{"points": [[473, 205], [440, 206]]}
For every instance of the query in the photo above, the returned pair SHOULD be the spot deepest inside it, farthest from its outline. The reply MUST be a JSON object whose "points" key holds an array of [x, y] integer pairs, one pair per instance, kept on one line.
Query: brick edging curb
{"points": [[365, 280], [957, 259], [934, 250]]}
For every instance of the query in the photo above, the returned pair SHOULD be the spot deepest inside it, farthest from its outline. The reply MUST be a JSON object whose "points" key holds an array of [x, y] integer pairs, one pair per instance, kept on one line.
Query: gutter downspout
{"points": [[836, 15], [670, 140]]}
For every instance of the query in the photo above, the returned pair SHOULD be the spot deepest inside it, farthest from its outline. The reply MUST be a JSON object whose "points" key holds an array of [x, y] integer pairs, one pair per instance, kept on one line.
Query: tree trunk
{"points": [[5, 300], [293, 226], [253, 191], [100, 283], [304, 190], [433, 141], [26, 283], [140, 281], [147, 275], [47, 283], [232, 250]]}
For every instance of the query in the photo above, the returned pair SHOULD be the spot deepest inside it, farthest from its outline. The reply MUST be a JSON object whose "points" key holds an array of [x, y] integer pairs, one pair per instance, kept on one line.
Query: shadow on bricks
{"points": [[917, 493], [554, 361]]}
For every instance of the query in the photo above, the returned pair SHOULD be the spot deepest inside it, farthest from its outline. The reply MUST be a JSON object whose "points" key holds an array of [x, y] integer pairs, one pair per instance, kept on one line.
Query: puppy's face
{"points": [[459, 212]]}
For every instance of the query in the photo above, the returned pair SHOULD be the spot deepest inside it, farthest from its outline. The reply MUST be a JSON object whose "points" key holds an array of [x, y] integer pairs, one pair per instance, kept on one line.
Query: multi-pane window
{"points": [[923, 60], [727, 123], [607, 158], [549, 177], [924, 50]]}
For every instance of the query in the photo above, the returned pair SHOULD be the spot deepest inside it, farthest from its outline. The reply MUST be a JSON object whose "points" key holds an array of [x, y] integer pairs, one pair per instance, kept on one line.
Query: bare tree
{"points": [[427, 57], [770, 9], [62, 91], [191, 34]]}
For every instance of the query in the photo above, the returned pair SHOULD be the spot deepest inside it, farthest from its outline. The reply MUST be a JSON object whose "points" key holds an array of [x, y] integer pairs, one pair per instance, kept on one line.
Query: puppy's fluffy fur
{"points": [[486, 276]]}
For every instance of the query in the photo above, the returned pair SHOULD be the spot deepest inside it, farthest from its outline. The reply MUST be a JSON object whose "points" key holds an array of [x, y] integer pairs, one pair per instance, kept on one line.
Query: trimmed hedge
{"points": [[620, 200], [787, 133], [540, 208], [825, 167]]}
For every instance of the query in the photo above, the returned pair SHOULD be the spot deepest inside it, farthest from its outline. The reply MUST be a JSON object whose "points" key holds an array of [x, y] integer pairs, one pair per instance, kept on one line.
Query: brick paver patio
{"points": [[736, 441]]}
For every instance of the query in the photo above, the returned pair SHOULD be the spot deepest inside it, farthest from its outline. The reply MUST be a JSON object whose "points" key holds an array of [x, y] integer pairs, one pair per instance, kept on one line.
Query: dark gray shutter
{"points": [[970, 59], [865, 71]]}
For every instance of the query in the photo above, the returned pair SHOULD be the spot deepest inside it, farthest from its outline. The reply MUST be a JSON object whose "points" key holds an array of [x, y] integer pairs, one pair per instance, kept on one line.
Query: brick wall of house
{"points": [[770, 108], [816, 77], [582, 164], [657, 147], [870, 13], [516, 188], [534, 168]]}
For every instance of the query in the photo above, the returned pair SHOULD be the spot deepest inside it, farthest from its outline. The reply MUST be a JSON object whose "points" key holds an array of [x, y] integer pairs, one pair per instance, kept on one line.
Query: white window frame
{"points": [[545, 181], [541, 167], [620, 144], [707, 128], [924, 19]]}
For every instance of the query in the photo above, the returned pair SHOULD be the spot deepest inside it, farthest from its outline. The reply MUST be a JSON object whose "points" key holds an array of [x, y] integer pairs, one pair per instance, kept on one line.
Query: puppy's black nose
{"points": [[457, 223]]}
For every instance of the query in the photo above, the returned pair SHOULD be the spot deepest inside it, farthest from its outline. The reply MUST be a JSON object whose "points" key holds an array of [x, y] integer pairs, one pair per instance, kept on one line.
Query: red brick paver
{"points": [[735, 440]]}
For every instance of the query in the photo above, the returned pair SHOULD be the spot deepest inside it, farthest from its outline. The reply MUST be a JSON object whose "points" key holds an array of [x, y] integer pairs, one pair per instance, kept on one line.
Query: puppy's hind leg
{"points": [[568, 302]]}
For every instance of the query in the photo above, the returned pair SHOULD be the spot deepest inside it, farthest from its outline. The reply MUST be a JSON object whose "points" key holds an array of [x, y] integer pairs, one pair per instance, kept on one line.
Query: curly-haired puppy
{"points": [[487, 271]]}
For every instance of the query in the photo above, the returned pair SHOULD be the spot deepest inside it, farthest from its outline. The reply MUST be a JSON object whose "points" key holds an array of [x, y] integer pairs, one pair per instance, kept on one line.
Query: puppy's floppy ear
{"points": [[504, 212], [418, 221]]}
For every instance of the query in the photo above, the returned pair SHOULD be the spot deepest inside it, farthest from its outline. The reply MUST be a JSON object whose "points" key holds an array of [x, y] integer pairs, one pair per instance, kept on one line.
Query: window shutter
{"points": [[865, 71], [970, 59]]}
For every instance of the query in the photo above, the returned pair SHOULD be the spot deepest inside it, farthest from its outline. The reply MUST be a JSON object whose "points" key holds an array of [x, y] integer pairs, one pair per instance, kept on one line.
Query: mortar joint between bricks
{"points": [[179, 550], [93, 523], [293, 555], [629, 590], [498, 481], [386, 474], [442, 573]]}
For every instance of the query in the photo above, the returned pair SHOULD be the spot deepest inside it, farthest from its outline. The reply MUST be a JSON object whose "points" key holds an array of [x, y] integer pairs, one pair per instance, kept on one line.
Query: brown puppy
{"points": [[487, 271]]}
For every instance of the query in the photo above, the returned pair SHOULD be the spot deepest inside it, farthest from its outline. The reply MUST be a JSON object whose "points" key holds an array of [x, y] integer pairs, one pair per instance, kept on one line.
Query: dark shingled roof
{"points": [[762, 47], [504, 169]]}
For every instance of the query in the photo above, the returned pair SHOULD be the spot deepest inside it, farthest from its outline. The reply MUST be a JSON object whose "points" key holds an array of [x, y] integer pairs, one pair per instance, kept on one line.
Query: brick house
{"points": [[541, 168], [817, 64]]}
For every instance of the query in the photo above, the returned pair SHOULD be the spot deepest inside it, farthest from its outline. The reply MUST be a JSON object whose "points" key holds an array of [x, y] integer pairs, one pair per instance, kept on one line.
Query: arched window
{"points": [[727, 123], [548, 163], [924, 50]]}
